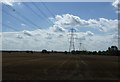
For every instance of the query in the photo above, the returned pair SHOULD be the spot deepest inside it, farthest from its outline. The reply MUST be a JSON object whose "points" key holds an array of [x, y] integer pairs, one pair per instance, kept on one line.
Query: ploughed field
{"points": [[58, 66]]}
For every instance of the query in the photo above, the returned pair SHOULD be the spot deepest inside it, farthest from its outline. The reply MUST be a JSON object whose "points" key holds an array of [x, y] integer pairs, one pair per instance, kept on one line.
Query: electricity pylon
{"points": [[81, 46], [72, 40]]}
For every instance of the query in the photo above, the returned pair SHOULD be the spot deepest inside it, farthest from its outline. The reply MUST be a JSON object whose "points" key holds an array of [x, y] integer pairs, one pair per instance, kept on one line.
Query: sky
{"points": [[46, 25]]}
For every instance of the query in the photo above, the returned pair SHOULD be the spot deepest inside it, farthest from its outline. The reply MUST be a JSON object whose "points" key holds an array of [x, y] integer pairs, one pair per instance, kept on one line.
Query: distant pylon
{"points": [[72, 40], [81, 47]]}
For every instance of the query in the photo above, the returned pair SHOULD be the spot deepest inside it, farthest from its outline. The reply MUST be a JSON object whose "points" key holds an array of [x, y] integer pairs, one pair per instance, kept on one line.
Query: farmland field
{"points": [[58, 66]]}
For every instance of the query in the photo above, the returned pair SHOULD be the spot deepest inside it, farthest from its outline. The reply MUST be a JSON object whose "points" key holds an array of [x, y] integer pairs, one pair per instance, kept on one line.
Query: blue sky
{"points": [[85, 10], [37, 23]]}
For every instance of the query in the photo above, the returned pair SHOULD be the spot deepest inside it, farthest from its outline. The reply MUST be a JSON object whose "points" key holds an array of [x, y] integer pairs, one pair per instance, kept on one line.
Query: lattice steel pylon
{"points": [[81, 47], [72, 40]]}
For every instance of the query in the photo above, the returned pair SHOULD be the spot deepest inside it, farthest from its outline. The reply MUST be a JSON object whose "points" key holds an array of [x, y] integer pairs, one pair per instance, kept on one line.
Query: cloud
{"points": [[51, 19], [28, 33], [45, 39], [19, 36], [57, 28], [67, 21], [83, 36], [89, 33], [49, 36], [57, 36], [8, 2], [23, 24], [116, 4]]}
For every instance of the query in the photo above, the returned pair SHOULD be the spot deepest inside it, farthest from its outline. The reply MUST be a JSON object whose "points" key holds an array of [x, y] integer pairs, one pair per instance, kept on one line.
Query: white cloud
{"points": [[45, 39], [51, 19], [116, 4], [19, 36], [68, 21], [23, 24], [8, 2], [57, 28], [40, 39], [28, 33], [56, 36], [89, 33]]}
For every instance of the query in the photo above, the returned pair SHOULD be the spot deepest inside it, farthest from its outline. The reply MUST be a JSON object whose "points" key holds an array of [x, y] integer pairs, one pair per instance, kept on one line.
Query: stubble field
{"points": [[58, 66]]}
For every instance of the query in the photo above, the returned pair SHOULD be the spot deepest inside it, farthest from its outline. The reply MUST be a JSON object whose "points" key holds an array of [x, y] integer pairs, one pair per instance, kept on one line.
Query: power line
{"points": [[41, 11], [10, 27], [72, 40], [24, 17], [47, 8], [31, 10], [35, 12], [14, 17]]}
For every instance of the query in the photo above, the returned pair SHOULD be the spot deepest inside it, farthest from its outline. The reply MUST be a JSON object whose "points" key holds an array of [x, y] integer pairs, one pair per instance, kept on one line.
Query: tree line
{"points": [[112, 51]]}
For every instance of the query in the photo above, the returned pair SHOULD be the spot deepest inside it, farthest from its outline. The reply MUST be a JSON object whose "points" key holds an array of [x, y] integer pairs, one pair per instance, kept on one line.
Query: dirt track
{"points": [[37, 66]]}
